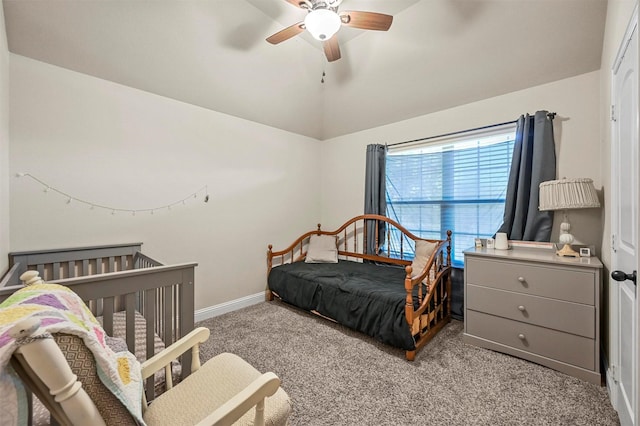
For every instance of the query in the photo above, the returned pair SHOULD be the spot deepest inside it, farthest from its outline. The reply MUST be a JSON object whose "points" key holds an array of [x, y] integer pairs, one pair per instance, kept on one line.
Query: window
{"points": [[459, 183]]}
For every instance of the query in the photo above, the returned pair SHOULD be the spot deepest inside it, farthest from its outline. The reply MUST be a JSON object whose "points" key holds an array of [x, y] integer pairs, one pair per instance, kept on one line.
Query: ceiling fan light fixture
{"points": [[322, 23]]}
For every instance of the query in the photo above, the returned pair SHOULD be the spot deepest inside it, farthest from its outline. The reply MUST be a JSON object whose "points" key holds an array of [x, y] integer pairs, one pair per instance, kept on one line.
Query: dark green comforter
{"points": [[365, 297]]}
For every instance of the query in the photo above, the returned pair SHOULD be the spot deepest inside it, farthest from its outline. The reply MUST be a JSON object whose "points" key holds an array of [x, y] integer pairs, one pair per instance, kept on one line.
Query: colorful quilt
{"points": [[60, 310]]}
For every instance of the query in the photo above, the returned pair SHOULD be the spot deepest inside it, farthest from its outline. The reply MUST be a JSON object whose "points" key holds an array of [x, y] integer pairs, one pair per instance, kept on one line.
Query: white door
{"points": [[624, 256]]}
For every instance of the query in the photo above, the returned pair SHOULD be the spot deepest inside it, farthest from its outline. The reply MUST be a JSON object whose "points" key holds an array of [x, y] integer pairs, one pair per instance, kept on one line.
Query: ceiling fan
{"points": [[323, 22]]}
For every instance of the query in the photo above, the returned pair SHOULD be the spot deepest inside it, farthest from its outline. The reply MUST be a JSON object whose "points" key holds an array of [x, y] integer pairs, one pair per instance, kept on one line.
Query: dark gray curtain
{"points": [[375, 195], [534, 161]]}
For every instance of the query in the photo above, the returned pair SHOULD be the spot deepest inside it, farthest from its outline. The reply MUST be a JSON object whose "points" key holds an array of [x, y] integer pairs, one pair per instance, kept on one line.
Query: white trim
{"points": [[631, 27], [610, 380], [230, 306]]}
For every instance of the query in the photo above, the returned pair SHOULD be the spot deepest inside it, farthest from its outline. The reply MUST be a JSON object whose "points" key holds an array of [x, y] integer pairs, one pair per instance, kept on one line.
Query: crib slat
{"points": [[99, 303], [71, 268], [40, 269], [123, 263], [107, 315], [149, 314], [130, 330], [56, 270], [160, 295], [85, 268], [112, 264], [166, 313], [168, 381], [176, 313], [93, 308]]}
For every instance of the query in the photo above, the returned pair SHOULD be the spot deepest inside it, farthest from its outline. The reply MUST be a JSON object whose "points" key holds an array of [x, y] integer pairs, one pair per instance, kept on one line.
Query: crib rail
{"points": [[65, 263]]}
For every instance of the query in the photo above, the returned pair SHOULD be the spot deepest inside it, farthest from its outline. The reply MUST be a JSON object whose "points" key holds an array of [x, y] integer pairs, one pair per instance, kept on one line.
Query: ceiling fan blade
{"points": [[298, 3], [366, 20], [331, 49], [286, 34]]}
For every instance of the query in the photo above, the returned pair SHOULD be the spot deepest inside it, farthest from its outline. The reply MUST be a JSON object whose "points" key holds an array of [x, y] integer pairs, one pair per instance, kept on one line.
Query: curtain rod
{"points": [[551, 115]]}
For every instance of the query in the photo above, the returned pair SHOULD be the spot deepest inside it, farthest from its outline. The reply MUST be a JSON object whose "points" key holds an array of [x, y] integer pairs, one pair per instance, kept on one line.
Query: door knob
{"points": [[621, 276]]}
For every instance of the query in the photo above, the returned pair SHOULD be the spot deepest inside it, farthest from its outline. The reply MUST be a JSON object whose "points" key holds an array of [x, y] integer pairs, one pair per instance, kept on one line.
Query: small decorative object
{"points": [[567, 194], [501, 241], [585, 252], [478, 242], [490, 243]]}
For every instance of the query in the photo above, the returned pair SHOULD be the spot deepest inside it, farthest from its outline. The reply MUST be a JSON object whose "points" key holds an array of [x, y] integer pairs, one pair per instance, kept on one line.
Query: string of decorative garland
{"points": [[70, 198]]}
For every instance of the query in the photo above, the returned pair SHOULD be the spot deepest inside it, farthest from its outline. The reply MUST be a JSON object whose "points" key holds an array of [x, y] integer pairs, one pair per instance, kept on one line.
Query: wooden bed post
{"points": [[408, 307], [269, 294]]}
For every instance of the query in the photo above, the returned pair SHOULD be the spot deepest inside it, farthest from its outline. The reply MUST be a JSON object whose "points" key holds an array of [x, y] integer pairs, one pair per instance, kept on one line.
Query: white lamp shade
{"points": [[566, 194], [322, 23]]}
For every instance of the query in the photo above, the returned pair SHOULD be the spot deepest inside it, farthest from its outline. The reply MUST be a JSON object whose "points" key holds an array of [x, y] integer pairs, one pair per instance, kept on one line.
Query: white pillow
{"points": [[322, 249], [423, 253]]}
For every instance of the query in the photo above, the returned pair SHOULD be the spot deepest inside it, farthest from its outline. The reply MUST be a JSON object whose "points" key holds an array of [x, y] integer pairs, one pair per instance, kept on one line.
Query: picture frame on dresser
{"points": [[530, 303]]}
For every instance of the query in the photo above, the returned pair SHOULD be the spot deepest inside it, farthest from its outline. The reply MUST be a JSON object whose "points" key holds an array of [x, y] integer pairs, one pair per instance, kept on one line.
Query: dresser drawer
{"points": [[570, 317], [563, 347], [557, 283]]}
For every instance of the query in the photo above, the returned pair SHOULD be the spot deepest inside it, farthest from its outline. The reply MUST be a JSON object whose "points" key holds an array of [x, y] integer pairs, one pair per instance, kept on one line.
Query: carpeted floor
{"points": [[335, 376]]}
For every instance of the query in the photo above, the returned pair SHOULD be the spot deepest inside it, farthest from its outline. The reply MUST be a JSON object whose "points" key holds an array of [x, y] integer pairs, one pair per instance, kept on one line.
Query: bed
{"points": [[147, 304], [384, 281]]}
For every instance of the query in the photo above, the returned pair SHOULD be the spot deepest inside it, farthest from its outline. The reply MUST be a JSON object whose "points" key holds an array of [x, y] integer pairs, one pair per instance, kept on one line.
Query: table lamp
{"points": [[565, 194]]}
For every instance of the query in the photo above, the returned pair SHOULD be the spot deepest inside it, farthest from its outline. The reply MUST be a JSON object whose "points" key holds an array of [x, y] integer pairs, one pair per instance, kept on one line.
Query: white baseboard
{"points": [[230, 306], [610, 381]]}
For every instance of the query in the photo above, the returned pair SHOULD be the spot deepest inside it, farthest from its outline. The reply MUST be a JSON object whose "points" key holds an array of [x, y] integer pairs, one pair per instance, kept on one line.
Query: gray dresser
{"points": [[531, 303]]}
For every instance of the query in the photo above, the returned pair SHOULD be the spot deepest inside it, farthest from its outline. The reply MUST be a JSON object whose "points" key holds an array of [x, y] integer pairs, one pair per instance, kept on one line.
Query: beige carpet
{"points": [[339, 377]]}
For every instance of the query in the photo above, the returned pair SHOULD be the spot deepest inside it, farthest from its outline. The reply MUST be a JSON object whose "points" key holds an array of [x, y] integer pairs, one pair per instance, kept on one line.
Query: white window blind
{"points": [[459, 184]]}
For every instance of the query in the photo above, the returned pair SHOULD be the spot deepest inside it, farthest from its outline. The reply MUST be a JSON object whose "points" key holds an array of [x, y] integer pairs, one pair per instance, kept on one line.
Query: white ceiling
{"points": [[213, 53]]}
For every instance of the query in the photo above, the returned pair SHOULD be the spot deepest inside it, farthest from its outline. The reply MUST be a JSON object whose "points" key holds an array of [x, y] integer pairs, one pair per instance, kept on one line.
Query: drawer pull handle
{"points": [[522, 308], [521, 336], [521, 279]]}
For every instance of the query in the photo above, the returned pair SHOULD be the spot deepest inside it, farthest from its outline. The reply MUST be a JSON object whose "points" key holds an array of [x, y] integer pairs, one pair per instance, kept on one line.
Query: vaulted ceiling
{"points": [[212, 53]]}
